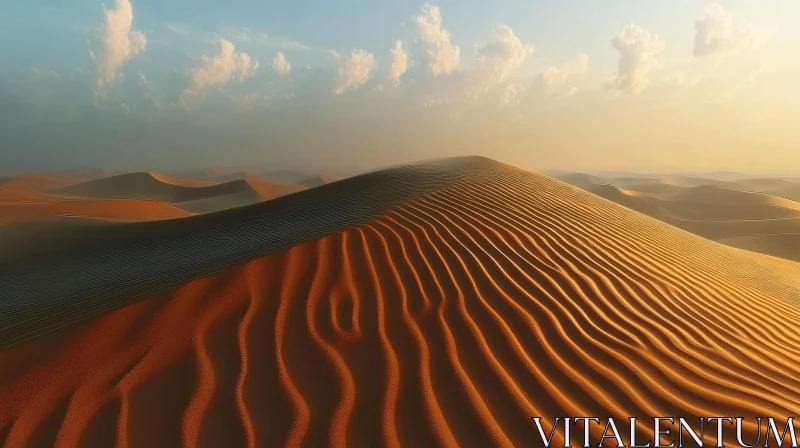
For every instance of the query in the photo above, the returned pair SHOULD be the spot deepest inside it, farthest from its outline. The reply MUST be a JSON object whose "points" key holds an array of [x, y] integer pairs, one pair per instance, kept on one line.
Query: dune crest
{"points": [[182, 181], [447, 318]]}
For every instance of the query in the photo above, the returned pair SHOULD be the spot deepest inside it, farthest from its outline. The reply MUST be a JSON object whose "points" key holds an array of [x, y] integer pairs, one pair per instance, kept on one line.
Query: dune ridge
{"points": [[447, 316]]}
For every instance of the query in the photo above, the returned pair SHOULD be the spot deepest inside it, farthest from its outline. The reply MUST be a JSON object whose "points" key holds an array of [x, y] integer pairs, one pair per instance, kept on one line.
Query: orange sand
{"points": [[44, 182], [268, 190], [450, 321], [10, 196]]}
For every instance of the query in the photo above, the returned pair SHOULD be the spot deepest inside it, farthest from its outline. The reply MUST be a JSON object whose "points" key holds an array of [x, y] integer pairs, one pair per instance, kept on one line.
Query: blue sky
{"points": [[536, 83]]}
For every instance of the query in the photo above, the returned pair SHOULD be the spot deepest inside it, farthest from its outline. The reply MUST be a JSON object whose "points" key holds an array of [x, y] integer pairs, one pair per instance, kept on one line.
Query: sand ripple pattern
{"points": [[447, 320], [57, 289]]}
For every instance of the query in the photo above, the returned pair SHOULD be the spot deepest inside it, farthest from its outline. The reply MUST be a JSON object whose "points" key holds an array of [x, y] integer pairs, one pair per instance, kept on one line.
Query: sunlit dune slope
{"points": [[472, 298]]}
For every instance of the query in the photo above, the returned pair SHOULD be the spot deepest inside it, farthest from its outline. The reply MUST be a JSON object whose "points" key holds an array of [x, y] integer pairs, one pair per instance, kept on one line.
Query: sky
{"points": [[345, 86]]}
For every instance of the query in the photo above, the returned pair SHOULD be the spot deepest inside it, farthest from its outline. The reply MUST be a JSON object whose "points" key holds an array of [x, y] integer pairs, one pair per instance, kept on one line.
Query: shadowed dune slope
{"points": [[448, 316], [312, 182]]}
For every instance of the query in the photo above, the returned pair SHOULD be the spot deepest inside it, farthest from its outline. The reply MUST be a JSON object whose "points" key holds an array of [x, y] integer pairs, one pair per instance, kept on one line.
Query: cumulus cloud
{"points": [[716, 33], [220, 69], [553, 78], [499, 56], [280, 65], [354, 71], [118, 44], [399, 63], [637, 58], [441, 56]]}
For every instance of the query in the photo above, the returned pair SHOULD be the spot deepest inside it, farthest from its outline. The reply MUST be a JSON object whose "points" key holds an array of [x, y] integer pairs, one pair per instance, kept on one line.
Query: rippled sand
{"points": [[448, 318]]}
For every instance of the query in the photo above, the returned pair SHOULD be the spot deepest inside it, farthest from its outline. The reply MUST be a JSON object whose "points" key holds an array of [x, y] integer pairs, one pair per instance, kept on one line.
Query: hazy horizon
{"points": [[684, 86]]}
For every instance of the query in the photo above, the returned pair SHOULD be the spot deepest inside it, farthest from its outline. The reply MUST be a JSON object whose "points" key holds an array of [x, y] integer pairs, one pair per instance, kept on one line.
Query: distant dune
{"points": [[151, 186], [312, 182], [440, 304], [118, 209], [752, 214], [14, 196], [183, 181], [44, 182], [198, 196]]}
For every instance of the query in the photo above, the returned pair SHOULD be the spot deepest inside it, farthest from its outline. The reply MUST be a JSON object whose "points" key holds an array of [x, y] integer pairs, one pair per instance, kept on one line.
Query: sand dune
{"points": [[288, 177], [280, 177], [151, 186], [195, 196], [183, 181], [312, 182], [42, 182], [455, 301], [789, 192], [733, 213], [14, 196], [784, 245], [119, 209]]}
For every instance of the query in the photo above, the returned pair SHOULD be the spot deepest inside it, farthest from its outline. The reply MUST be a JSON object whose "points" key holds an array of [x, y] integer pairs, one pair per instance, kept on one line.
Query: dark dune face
{"points": [[434, 305]]}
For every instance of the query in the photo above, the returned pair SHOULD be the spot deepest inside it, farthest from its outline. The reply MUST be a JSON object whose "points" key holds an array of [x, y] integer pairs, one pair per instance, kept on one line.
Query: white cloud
{"points": [[441, 56], [354, 71], [399, 63], [717, 34], [280, 65], [637, 58], [553, 78], [118, 44], [499, 56], [220, 69]]}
